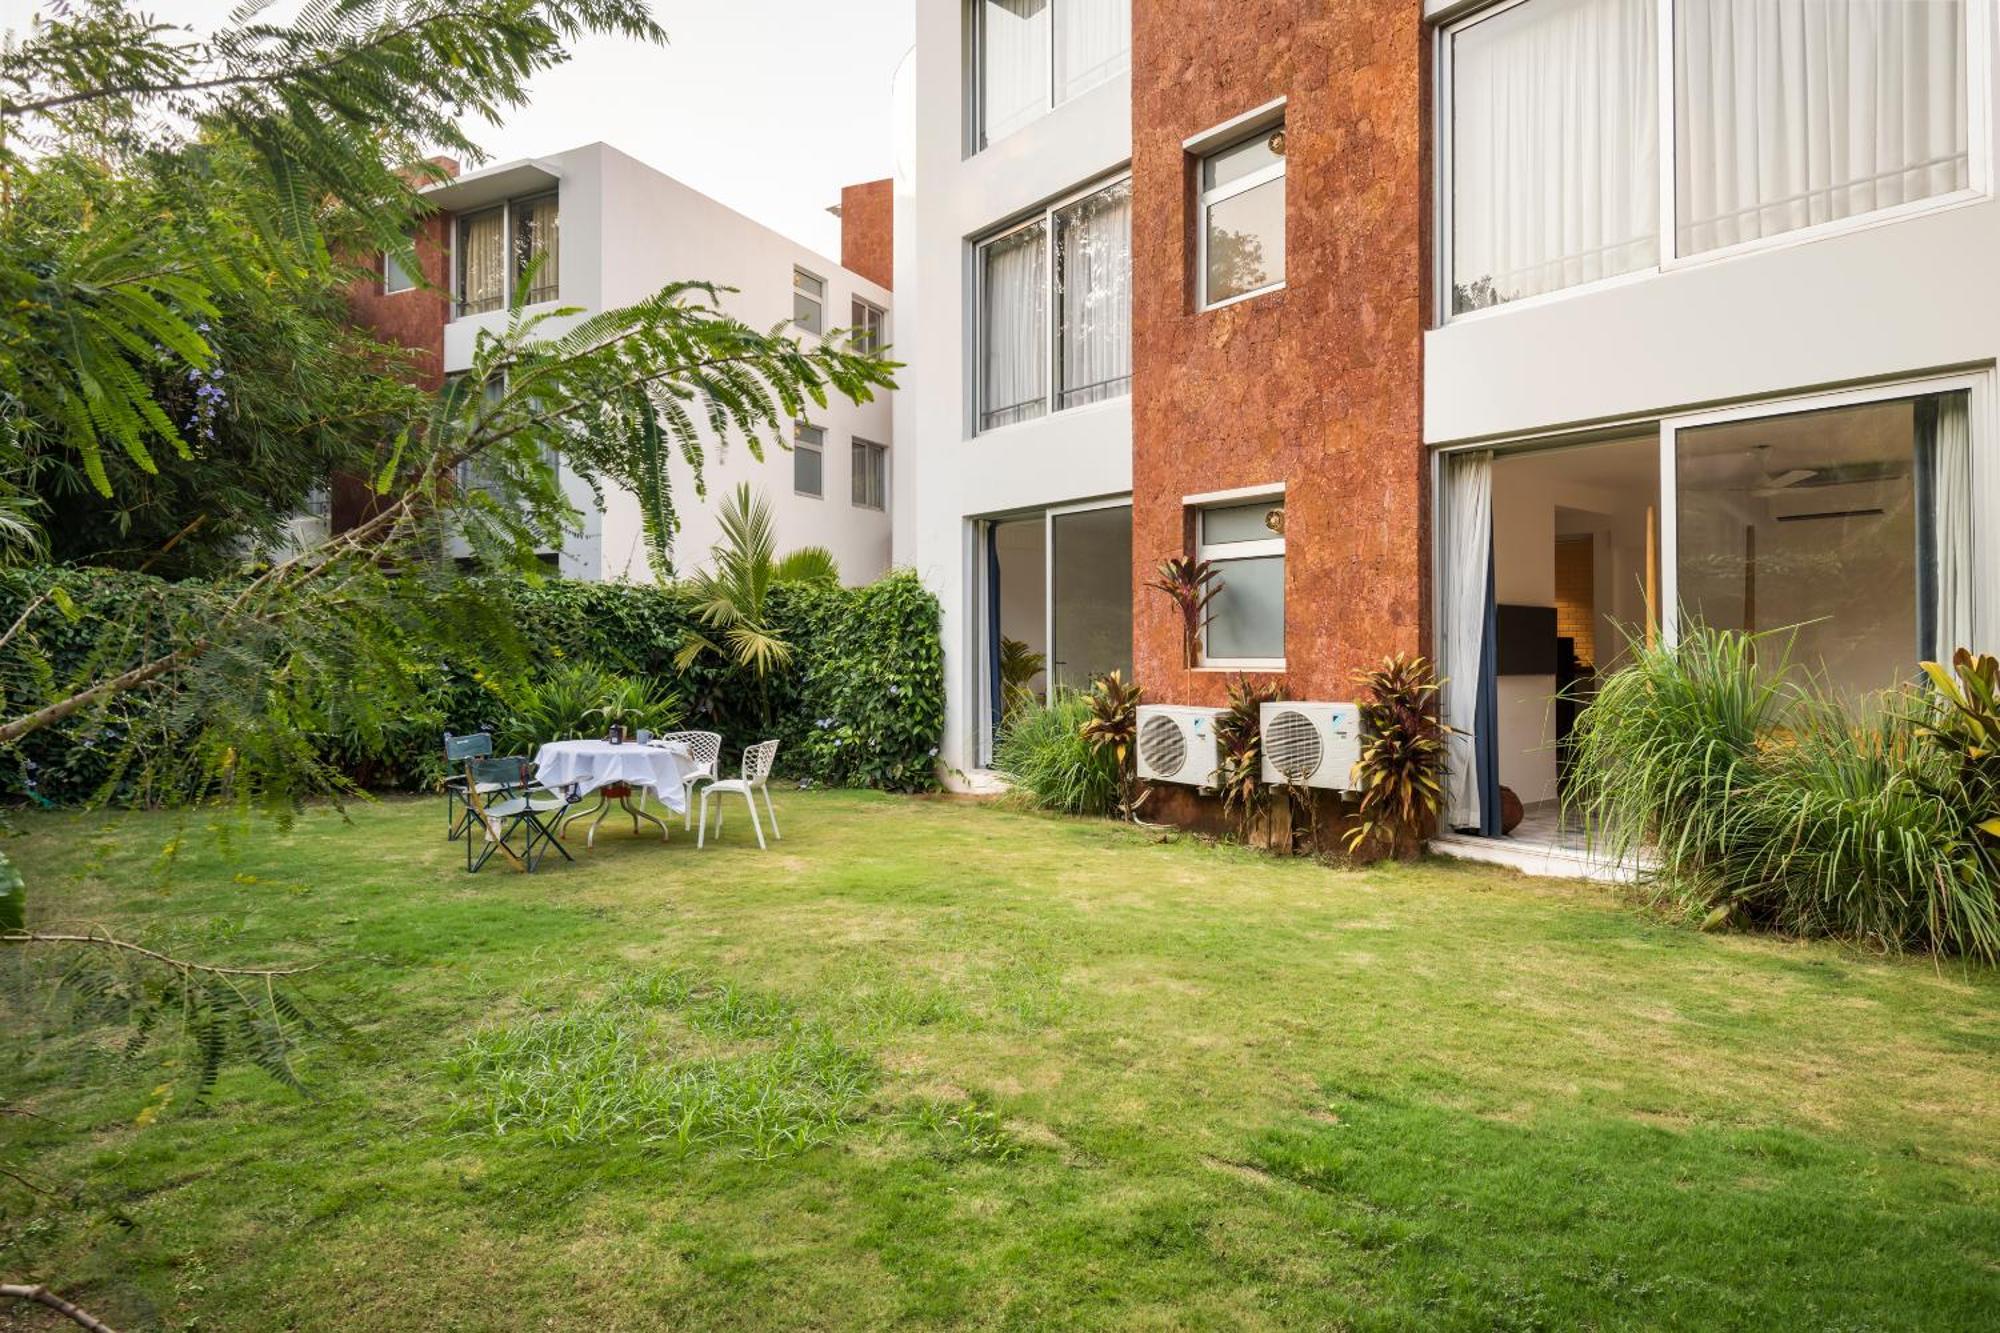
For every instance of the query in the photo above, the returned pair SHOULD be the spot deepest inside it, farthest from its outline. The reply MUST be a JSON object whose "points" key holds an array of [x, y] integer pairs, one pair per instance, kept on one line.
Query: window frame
{"points": [[391, 265], [552, 292], [815, 446], [863, 309], [1045, 216], [800, 272], [1977, 37], [509, 248], [1221, 553], [975, 45], [862, 456], [1211, 145]]}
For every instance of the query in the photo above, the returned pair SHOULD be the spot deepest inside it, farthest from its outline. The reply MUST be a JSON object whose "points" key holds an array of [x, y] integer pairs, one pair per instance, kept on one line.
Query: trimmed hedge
{"points": [[861, 703]]}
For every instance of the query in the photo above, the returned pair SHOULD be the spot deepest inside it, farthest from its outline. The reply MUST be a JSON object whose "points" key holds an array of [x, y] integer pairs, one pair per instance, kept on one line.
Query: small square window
{"points": [[808, 301], [395, 278], [1245, 540], [808, 460], [1243, 218], [871, 324], [871, 475]]}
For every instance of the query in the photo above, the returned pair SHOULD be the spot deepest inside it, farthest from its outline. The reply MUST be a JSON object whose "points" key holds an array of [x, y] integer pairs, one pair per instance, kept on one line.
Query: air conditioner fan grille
{"points": [[1161, 745], [1292, 744]]}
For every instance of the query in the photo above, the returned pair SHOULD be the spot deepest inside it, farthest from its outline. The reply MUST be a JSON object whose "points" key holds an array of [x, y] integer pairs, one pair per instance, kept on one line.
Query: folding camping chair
{"points": [[504, 799]]}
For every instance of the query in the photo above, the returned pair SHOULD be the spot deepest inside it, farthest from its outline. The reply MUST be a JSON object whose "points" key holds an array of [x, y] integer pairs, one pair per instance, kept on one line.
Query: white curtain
{"points": [[1014, 350], [1014, 64], [1796, 112], [1094, 296], [1093, 43], [1952, 494], [537, 244], [1554, 148], [482, 262], [1468, 552]]}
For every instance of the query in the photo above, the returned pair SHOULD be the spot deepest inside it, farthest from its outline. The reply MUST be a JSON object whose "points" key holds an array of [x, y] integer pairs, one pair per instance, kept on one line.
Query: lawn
{"points": [[930, 1062]]}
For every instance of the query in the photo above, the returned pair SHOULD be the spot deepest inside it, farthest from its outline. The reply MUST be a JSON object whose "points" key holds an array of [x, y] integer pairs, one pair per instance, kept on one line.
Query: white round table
{"points": [[615, 770]]}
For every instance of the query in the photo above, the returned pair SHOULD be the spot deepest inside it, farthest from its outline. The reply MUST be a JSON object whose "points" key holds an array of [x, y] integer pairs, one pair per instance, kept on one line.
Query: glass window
{"points": [[1013, 308], [870, 325], [1810, 523], [1784, 114], [1093, 41], [871, 475], [1094, 297], [395, 278], [808, 460], [536, 252], [1789, 115], [482, 261], [808, 301], [1243, 218], [1246, 542], [1555, 176], [1036, 54], [1078, 298], [1090, 562]]}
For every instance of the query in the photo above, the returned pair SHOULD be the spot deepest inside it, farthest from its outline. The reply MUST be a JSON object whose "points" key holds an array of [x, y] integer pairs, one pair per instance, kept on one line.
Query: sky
{"points": [[769, 106]]}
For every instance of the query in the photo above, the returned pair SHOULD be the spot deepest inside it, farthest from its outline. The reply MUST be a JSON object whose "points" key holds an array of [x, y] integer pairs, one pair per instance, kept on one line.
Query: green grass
{"points": [[933, 1063]]}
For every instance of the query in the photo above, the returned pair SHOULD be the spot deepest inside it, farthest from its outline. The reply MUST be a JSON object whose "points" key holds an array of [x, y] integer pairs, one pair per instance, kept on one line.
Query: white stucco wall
{"points": [[954, 200], [629, 230]]}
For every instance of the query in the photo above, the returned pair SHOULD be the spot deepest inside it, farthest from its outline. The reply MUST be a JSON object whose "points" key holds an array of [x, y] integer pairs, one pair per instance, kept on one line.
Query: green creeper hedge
{"points": [[861, 703]]}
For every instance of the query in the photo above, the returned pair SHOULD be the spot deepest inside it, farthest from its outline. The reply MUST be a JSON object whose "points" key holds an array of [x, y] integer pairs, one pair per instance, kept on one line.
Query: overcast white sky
{"points": [[767, 105]]}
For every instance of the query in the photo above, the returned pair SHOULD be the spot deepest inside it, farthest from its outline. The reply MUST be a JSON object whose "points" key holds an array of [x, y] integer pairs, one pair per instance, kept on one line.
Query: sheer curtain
{"points": [[1951, 455], [1014, 337], [1014, 64], [1555, 148], [1468, 555], [1093, 43], [1094, 296], [536, 240], [1796, 112], [482, 265]]}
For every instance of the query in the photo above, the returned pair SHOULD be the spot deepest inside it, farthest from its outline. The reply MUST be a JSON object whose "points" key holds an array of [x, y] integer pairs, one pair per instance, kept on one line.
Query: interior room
{"points": [[1575, 537]]}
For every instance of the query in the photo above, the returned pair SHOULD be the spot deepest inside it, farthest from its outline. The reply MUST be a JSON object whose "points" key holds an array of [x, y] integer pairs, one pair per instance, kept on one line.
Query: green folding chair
{"points": [[518, 815], [457, 810]]}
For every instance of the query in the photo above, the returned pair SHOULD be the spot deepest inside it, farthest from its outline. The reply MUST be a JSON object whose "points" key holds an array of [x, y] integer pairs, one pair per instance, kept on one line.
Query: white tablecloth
{"points": [[593, 764]]}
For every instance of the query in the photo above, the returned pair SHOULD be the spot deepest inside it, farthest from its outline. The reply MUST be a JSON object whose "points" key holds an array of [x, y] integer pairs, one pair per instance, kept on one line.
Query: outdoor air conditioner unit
{"points": [[1310, 745], [1177, 744]]}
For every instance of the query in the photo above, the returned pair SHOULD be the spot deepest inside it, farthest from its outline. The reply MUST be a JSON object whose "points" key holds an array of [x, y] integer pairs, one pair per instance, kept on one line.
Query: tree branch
{"points": [[107, 941], [43, 1296]]}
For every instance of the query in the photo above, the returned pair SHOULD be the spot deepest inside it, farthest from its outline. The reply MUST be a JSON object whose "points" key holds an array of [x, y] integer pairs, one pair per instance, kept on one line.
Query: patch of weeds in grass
{"points": [[965, 1130], [644, 1065]]}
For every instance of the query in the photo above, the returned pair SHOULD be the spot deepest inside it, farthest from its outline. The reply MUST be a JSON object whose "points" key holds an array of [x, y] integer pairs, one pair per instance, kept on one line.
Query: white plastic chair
{"points": [[705, 748], [757, 762]]}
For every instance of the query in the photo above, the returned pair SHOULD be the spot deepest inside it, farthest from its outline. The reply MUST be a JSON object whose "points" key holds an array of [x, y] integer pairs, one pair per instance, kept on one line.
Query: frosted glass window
{"points": [[808, 301], [1239, 523], [1247, 618]]}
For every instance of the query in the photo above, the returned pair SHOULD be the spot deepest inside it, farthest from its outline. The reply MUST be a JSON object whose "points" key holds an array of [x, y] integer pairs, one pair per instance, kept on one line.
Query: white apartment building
{"points": [[1012, 259], [1714, 339], [612, 230]]}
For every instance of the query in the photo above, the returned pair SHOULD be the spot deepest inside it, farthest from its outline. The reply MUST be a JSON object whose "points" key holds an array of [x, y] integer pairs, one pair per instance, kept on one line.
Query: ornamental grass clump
{"points": [[1043, 752], [1768, 801]]}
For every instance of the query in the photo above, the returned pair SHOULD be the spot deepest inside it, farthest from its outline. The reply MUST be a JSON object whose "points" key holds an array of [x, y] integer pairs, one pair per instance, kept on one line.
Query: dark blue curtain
{"points": [[993, 623], [1486, 718]]}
